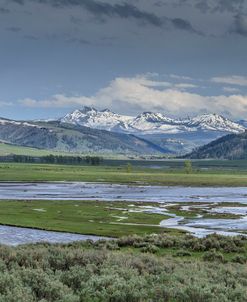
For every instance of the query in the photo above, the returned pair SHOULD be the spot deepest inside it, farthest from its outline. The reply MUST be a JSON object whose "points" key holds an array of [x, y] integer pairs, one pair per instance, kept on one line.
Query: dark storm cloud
{"points": [[79, 40], [31, 37], [13, 29], [124, 11], [105, 9], [203, 6], [240, 24], [21, 2], [4, 10], [182, 24], [231, 6]]}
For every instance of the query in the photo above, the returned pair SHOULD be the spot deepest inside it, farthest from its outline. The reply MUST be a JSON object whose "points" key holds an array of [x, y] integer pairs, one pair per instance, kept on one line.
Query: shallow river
{"points": [[107, 192], [14, 236], [96, 191]]}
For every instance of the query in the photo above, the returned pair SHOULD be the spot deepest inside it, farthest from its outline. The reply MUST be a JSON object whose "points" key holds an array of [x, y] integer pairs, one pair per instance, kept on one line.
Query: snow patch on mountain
{"points": [[215, 122], [91, 117], [149, 122], [18, 123]]}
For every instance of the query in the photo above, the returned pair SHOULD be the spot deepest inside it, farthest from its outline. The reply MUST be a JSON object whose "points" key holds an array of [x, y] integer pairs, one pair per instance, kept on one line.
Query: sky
{"points": [[178, 57]]}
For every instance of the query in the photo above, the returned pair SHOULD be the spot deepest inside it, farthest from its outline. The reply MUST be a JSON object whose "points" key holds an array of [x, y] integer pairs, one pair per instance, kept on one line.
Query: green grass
{"points": [[6, 149], [84, 217], [194, 212], [112, 219], [118, 174], [9, 149]]}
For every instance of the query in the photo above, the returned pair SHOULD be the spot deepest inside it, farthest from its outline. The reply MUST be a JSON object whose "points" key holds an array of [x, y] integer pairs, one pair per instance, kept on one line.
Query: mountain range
{"points": [[149, 122], [103, 131], [178, 136]]}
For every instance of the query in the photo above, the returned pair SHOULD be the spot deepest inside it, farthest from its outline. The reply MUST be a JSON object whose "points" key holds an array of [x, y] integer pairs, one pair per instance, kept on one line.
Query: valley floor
{"points": [[112, 219], [145, 262], [154, 175]]}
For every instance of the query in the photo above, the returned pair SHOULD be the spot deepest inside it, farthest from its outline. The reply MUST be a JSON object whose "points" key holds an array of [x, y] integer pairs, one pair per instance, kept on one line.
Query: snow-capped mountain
{"points": [[156, 123], [149, 122], [93, 118], [154, 133], [215, 122], [243, 123], [4, 121]]}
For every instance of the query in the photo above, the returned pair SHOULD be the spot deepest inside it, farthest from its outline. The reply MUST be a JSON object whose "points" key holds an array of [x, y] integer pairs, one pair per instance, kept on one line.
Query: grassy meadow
{"points": [[144, 263], [121, 174], [6, 149], [101, 218], [113, 219]]}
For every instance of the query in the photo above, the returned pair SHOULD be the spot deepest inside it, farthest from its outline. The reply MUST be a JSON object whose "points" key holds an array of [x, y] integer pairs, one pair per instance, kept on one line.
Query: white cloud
{"points": [[3, 104], [184, 86], [57, 101], [232, 80], [145, 93], [179, 77], [230, 89]]}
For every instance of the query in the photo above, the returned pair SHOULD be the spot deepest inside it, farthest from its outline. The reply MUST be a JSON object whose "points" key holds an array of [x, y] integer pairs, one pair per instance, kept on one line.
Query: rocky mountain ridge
{"points": [[150, 122]]}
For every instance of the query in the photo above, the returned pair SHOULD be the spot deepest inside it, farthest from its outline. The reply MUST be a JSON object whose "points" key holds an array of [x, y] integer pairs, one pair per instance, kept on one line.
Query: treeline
{"points": [[53, 159]]}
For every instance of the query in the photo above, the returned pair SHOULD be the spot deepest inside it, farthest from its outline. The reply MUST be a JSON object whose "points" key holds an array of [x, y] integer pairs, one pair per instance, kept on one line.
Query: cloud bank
{"points": [[145, 93], [123, 10], [232, 80]]}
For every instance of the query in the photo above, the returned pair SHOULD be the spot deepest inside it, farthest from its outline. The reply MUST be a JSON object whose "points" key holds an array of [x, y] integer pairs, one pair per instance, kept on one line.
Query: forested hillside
{"points": [[232, 146]]}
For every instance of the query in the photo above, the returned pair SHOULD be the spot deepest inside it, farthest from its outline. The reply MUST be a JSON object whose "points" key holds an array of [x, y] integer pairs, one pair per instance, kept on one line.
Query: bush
{"points": [[213, 256], [150, 248], [240, 259], [100, 273], [182, 253], [188, 167]]}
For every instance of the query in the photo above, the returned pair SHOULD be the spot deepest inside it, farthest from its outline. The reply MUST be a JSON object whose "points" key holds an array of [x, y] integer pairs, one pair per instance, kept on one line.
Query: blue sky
{"points": [[180, 57]]}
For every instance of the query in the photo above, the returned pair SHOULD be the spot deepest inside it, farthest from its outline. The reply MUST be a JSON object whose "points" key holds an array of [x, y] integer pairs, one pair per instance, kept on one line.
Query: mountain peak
{"points": [[86, 109], [107, 110], [215, 122], [151, 115], [150, 122], [99, 119], [209, 117], [212, 115]]}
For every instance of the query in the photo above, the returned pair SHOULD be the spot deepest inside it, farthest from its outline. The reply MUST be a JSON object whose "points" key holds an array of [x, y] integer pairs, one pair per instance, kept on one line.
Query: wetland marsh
{"points": [[108, 201], [115, 210]]}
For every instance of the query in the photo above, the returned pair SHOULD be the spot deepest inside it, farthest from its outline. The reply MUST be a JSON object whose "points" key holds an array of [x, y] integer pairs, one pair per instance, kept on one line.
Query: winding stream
{"points": [[16, 235], [165, 196], [101, 191]]}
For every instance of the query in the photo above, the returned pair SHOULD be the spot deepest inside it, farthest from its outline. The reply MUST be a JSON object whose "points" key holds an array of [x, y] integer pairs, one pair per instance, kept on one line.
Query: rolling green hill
{"points": [[56, 136]]}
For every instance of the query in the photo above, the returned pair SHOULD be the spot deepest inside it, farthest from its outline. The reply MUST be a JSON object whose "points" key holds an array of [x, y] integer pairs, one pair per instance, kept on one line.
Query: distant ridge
{"points": [[232, 146], [59, 136]]}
